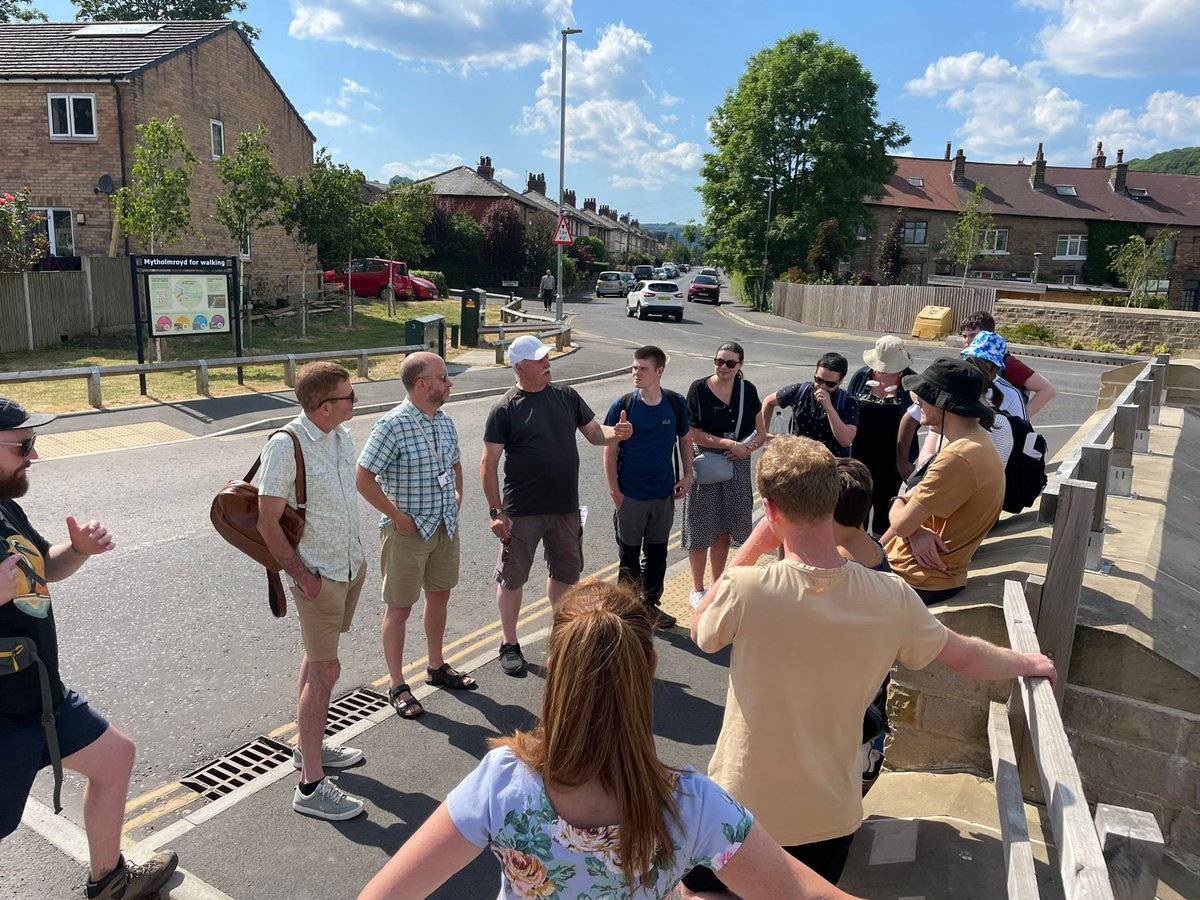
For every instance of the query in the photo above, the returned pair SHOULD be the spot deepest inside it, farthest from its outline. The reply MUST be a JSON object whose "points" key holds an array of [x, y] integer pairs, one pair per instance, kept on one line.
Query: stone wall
{"points": [[1106, 324]]}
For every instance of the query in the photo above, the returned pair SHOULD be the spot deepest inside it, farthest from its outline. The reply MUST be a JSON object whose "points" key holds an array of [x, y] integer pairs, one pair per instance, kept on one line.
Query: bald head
{"points": [[414, 367]]}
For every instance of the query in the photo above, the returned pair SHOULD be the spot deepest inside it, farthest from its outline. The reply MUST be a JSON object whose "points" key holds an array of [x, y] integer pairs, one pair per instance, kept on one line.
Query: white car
{"points": [[655, 298], [610, 284]]}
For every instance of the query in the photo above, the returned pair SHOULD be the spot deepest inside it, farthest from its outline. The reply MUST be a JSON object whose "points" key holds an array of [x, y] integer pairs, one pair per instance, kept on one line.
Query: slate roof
{"points": [[463, 181], [1171, 199]]}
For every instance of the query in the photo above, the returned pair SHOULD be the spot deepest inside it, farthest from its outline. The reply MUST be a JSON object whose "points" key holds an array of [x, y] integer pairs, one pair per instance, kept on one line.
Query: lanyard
{"points": [[432, 445]]}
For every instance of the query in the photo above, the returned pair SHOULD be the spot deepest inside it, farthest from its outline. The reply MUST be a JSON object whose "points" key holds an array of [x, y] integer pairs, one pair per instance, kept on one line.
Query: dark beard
{"points": [[14, 486]]}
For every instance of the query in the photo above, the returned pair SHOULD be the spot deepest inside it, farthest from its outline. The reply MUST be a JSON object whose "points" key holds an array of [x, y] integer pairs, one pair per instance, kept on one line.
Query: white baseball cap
{"points": [[526, 347]]}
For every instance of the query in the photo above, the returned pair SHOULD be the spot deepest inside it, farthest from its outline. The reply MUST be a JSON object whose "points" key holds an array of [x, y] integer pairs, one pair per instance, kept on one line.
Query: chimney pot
{"points": [[1099, 161], [958, 172], [485, 169], [1037, 172], [947, 151], [1118, 173]]}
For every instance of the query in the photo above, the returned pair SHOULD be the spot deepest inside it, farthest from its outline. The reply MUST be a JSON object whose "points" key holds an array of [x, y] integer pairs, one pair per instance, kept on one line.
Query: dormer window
{"points": [[1066, 190], [916, 181], [1138, 193]]}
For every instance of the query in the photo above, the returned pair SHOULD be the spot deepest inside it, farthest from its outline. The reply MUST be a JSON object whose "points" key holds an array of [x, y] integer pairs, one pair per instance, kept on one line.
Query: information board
{"points": [[188, 304]]}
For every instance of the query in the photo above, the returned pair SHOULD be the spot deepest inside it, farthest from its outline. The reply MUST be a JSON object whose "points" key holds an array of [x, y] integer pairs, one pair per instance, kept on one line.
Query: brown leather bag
{"points": [[234, 514]]}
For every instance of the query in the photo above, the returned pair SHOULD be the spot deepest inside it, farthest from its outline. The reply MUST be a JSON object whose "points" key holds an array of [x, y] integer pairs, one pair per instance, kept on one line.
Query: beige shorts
{"points": [[409, 563], [325, 617]]}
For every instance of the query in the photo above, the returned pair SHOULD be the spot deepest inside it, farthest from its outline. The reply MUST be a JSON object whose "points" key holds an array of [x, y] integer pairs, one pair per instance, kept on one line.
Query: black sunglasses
{"points": [[351, 397], [727, 363], [832, 385], [24, 447]]}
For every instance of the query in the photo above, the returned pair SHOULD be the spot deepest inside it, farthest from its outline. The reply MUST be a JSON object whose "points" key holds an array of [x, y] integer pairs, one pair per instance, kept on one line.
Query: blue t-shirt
{"points": [[644, 467], [503, 806]]}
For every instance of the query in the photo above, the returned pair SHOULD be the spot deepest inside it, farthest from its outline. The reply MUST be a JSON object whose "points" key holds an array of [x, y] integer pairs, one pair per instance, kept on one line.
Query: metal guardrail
{"points": [[94, 374]]}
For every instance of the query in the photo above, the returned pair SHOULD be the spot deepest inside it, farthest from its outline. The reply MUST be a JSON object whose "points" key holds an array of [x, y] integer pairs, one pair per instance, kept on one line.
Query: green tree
{"points": [[398, 220], [964, 239], [803, 120], [156, 10], [504, 248], [826, 251], [589, 247], [1180, 161], [326, 209], [456, 244], [22, 240], [1138, 261], [14, 11], [156, 206], [399, 179], [890, 259], [678, 251]]}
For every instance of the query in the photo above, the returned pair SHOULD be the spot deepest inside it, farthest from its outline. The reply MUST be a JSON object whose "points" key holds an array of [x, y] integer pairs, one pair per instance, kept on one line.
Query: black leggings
{"points": [[826, 858]]}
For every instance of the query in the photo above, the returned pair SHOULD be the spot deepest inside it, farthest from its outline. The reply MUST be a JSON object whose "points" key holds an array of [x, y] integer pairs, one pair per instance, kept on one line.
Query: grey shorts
{"points": [[561, 536], [647, 521]]}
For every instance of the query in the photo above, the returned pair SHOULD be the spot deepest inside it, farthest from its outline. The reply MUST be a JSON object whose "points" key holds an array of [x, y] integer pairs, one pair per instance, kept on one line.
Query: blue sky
{"points": [[413, 87]]}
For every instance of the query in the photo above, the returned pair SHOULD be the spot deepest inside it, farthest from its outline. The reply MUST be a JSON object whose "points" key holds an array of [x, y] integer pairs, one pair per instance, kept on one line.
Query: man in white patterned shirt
{"points": [[410, 471], [326, 568]]}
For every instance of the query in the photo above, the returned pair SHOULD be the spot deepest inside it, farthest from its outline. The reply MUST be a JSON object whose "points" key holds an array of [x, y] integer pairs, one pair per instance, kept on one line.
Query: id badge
{"points": [[445, 479]]}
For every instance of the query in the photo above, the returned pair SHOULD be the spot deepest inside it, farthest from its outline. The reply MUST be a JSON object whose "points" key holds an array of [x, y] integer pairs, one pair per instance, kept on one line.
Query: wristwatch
{"points": [[494, 512]]}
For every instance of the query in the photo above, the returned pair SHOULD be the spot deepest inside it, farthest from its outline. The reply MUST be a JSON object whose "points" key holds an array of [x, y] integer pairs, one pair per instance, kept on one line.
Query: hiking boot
{"points": [[695, 597], [659, 618], [512, 660], [129, 882], [328, 801], [331, 757]]}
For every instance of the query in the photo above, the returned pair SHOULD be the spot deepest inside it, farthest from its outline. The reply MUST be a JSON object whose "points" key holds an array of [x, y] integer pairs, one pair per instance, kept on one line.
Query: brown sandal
{"points": [[455, 681], [405, 709]]}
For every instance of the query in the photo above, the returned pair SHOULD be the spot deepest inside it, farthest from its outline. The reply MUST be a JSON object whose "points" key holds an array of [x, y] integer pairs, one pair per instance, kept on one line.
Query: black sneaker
{"points": [[659, 618], [512, 660], [129, 882]]}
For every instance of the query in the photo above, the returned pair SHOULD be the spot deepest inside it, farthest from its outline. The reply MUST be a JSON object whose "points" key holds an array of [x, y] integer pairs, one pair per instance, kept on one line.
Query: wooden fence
{"points": [[41, 309], [891, 308]]}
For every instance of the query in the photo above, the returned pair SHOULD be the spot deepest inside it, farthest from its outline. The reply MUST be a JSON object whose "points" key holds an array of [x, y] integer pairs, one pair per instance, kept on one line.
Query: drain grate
{"points": [[221, 776], [352, 707]]}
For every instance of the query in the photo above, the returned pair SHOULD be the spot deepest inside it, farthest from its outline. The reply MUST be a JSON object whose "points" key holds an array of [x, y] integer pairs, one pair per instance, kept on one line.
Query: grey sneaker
{"points": [[512, 660], [129, 882], [328, 801], [331, 757], [695, 597]]}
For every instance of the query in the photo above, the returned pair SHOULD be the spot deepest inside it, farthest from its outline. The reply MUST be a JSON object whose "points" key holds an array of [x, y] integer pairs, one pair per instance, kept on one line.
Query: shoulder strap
{"points": [[741, 407], [627, 403], [301, 478]]}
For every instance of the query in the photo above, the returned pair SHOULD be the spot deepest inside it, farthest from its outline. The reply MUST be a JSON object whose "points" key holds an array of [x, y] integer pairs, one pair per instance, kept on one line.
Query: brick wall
{"points": [[1108, 324]]}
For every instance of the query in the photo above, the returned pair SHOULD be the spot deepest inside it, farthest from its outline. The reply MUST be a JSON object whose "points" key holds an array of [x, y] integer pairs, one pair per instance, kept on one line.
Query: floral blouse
{"points": [[503, 805]]}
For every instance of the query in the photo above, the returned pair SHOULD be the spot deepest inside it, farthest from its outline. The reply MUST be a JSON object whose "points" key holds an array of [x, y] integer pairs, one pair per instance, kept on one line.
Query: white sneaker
{"points": [[328, 801], [331, 757], [696, 596]]}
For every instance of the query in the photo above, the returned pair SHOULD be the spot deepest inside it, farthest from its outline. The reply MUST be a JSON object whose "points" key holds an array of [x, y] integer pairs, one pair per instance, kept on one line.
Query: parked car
{"points": [[670, 270], [684, 267], [610, 284], [643, 273], [709, 270], [629, 280], [423, 288], [705, 287], [660, 273], [655, 298], [371, 277]]}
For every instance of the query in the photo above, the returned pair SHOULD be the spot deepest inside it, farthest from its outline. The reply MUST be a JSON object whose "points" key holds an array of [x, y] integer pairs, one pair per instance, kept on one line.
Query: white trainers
{"points": [[695, 597], [328, 801], [331, 757]]}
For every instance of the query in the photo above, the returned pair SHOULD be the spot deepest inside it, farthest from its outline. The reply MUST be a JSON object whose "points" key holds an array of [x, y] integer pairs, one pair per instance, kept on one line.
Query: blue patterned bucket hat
{"points": [[988, 345]]}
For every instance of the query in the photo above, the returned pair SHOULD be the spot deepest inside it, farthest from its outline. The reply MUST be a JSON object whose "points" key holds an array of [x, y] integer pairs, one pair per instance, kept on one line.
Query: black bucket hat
{"points": [[953, 385], [13, 416]]}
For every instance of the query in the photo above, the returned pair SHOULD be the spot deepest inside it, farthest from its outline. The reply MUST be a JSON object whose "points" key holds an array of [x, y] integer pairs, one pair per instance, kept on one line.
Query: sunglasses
{"points": [[727, 363], [832, 385], [352, 397], [24, 447]]}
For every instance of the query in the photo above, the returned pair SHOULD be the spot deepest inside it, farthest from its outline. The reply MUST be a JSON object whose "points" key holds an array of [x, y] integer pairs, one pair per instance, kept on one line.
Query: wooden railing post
{"points": [[1133, 847], [95, 400], [1120, 473], [1027, 770], [1064, 576], [364, 365], [1158, 374], [202, 379], [1014, 833], [1093, 467], [289, 371], [1141, 399]]}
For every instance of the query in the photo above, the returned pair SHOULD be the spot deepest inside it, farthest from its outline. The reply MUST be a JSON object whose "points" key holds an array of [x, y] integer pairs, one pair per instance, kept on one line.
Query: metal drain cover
{"points": [[221, 776], [352, 707]]}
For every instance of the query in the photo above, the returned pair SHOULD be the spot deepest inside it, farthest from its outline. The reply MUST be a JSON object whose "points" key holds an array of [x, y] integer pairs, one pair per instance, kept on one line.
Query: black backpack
{"points": [[1025, 471], [677, 406]]}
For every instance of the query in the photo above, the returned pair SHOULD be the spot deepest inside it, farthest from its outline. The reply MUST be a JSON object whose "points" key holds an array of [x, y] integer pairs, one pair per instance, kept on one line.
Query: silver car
{"points": [[610, 284]]}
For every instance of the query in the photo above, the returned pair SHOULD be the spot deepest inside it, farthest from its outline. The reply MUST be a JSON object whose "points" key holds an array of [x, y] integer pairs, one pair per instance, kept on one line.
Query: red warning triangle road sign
{"points": [[562, 234]]}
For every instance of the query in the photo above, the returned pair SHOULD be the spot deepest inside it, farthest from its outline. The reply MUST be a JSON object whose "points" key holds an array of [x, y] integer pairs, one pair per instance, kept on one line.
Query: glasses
{"points": [[24, 447], [352, 397], [443, 378], [832, 385], [727, 363]]}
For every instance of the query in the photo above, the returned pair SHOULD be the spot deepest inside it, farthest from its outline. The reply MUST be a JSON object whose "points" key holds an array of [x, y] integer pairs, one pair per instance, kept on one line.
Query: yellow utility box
{"points": [[933, 323]]}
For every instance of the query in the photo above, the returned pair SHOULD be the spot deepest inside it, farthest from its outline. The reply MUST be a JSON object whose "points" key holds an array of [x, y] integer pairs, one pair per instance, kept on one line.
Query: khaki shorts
{"points": [[561, 536], [325, 617], [409, 563]]}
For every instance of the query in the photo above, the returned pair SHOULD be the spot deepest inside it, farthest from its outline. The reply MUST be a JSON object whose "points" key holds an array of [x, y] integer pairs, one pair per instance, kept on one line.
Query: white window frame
{"points": [[995, 240], [70, 134], [47, 221], [213, 125], [1157, 287], [913, 223], [244, 246], [1071, 280], [1080, 241]]}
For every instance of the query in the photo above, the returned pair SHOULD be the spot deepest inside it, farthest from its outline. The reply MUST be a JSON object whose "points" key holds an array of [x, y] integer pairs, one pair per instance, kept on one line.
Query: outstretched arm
{"points": [[760, 868], [426, 861], [976, 658]]}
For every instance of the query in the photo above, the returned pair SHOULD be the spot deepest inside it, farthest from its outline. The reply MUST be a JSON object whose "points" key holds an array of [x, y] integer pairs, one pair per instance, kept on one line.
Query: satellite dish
{"points": [[104, 185]]}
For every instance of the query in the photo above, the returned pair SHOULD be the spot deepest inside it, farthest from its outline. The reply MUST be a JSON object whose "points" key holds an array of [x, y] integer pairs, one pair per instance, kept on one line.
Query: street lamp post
{"points": [[1037, 262], [562, 157], [762, 294]]}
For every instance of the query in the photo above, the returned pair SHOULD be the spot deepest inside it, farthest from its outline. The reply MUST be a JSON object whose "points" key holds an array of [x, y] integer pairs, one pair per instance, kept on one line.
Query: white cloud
{"points": [[1169, 119], [611, 111], [330, 117], [463, 35], [350, 89], [421, 168], [1120, 38], [1006, 108]]}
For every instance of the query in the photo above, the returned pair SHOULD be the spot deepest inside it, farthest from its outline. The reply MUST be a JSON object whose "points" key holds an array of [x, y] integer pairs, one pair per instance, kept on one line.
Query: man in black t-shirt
{"points": [[533, 426], [821, 409], [86, 742]]}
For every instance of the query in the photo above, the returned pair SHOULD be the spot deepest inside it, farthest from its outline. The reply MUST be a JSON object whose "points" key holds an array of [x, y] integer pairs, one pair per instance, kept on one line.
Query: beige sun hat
{"points": [[888, 356]]}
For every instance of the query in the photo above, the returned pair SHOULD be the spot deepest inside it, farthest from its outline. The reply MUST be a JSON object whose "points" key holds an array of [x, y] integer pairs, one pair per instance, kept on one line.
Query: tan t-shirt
{"points": [[810, 648], [964, 492]]}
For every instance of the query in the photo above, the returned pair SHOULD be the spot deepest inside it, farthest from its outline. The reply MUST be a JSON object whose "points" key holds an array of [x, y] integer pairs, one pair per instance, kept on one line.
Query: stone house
{"points": [[73, 95], [1042, 217], [473, 191]]}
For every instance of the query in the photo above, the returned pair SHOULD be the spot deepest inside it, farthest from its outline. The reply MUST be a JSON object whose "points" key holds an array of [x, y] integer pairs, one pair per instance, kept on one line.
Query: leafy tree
{"points": [[503, 240], [826, 251], [325, 208], [1104, 237], [12, 11], [803, 120], [963, 240], [589, 248], [1139, 261], [398, 221], [155, 10], [399, 179], [1181, 161], [456, 244], [22, 241], [890, 259], [678, 251], [540, 251], [156, 206]]}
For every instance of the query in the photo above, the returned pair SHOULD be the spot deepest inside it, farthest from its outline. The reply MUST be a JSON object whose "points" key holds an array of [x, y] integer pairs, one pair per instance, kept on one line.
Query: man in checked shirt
{"points": [[410, 471]]}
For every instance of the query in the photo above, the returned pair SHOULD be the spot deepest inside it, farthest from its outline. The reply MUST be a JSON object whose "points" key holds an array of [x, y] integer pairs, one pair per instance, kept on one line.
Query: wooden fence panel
{"points": [[14, 335], [890, 308], [59, 304], [110, 291]]}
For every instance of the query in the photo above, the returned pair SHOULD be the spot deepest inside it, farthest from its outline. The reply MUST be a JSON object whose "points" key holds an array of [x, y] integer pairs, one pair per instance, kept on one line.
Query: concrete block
{"points": [[1126, 767], [904, 705], [1184, 835], [1191, 744], [937, 679], [1123, 719], [951, 716], [913, 749]]}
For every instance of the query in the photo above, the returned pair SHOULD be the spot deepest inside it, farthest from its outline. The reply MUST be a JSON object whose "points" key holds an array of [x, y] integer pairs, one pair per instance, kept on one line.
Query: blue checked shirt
{"points": [[406, 452]]}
